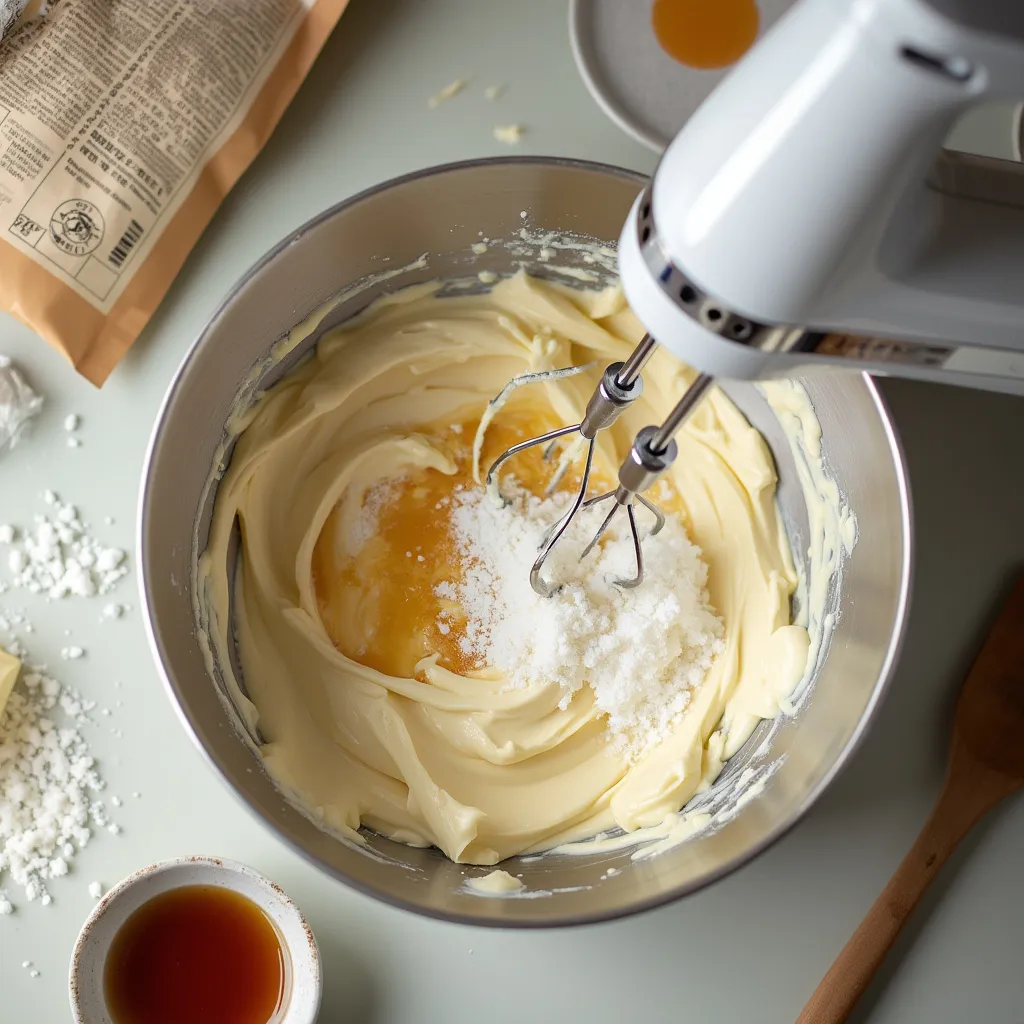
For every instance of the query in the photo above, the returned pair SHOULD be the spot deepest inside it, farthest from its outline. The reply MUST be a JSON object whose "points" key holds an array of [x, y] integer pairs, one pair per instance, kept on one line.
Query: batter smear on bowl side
{"points": [[403, 673]]}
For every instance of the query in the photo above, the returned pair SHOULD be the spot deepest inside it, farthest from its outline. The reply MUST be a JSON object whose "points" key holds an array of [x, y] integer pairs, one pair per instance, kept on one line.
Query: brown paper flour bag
{"points": [[123, 124]]}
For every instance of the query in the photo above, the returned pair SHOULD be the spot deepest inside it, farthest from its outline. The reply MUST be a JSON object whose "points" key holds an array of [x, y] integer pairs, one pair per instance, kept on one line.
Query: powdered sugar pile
{"points": [[48, 782], [60, 557], [641, 651]]}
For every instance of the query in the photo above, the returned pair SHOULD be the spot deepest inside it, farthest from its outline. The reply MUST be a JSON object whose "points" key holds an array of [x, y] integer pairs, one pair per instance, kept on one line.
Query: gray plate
{"points": [[638, 85]]}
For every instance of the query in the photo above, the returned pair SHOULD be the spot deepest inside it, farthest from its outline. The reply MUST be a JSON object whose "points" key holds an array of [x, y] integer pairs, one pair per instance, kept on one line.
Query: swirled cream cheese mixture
{"points": [[402, 672]]}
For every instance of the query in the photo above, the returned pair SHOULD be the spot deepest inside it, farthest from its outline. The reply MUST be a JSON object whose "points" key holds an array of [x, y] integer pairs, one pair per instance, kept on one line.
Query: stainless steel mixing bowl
{"points": [[442, 212]]}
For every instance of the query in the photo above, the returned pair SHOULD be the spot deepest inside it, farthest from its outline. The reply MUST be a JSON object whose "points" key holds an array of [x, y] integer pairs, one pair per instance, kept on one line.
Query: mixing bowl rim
{"points": [[172, 688]]}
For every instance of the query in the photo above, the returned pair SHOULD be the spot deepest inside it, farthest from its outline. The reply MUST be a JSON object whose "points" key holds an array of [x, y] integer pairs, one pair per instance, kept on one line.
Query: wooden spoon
{"points": [[986, 763]]}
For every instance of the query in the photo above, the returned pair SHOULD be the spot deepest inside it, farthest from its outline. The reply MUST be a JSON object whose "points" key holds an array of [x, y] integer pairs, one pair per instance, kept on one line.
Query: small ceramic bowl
{"points": [[303, 981]]}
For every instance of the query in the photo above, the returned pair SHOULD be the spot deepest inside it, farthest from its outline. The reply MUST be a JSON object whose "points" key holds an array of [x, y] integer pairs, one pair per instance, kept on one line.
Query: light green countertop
{"points": [[751, 948]]}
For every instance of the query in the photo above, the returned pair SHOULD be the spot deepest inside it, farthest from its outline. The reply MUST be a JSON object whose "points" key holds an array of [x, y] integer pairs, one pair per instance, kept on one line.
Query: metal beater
{"points": [[652, 453]]}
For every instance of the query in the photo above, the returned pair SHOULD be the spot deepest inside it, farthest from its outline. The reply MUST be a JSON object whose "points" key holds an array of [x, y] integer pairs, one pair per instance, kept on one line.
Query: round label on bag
{"points": [[77, 227]]}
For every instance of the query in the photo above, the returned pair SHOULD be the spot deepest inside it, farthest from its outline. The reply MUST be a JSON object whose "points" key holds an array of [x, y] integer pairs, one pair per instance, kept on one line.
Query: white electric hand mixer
{"points": [[808, 210]]}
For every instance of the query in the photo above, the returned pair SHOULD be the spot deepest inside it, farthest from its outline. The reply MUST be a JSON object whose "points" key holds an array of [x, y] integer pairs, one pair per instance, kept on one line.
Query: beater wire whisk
{"points": [[652, 453]]}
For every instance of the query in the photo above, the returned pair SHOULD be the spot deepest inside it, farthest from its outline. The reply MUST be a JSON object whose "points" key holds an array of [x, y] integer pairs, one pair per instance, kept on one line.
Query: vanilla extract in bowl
{"points": [[198, 953]]}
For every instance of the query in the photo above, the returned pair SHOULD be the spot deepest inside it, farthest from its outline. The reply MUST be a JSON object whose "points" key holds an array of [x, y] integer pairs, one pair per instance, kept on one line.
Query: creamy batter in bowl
{"points": [[373, 703], [250, 344]]}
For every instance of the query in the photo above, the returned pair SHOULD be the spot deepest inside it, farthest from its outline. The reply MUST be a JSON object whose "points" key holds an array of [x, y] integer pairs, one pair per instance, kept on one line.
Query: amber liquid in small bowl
{"points": [[201, 954]]}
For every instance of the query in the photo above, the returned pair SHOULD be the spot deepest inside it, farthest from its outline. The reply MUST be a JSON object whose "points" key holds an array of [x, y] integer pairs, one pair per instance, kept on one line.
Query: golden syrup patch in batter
{"points": [[379, 607]]}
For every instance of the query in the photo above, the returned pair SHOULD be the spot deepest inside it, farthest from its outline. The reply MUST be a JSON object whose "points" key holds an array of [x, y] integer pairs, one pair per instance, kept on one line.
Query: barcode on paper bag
{"points": [[120, 251]]}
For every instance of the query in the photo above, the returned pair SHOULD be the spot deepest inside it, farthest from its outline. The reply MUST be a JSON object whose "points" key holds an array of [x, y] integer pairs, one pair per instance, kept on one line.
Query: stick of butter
{"points": [[10, 666]]}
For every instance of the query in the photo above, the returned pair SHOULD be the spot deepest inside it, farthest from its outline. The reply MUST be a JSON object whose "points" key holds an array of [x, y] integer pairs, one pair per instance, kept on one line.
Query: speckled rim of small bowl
{"points": [[304, 979]]}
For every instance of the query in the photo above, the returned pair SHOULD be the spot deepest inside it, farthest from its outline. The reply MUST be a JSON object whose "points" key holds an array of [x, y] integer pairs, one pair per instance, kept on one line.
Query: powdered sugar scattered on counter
{"points": [[641, 651], [60, 557], [49, 784]]}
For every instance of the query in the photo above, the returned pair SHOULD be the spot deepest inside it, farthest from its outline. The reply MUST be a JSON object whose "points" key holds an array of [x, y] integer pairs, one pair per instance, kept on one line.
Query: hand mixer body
{"points": [[807, 215], [808, 210]]}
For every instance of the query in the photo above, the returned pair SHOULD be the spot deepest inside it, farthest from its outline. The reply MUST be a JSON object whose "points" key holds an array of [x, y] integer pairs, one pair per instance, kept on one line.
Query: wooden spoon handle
{"points": [[970, 791]]}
